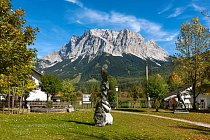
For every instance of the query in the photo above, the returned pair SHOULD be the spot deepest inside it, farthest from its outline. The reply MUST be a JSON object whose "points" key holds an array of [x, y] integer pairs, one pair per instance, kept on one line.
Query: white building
{"points": [[37, 95], [203, 100], [185, 95]]}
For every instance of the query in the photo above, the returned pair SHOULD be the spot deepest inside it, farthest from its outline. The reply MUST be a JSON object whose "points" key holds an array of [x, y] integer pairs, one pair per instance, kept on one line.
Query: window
{"points": [[202, 103]]}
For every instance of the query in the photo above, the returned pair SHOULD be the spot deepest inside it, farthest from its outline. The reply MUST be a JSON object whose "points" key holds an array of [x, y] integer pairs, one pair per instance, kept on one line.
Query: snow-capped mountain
{"points": [[96, 42]]}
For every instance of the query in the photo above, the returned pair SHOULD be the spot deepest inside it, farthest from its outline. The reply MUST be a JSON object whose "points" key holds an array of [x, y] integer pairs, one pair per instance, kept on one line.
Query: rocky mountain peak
{"points": [[94, 42]]}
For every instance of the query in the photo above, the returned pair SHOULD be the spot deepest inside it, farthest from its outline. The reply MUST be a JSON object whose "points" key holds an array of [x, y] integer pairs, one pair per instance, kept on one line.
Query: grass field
{"points": [[192, 116], [80, 125]]}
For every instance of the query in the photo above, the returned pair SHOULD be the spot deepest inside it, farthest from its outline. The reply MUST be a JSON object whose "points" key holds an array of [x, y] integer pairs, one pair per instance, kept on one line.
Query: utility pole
{"points": [[116, 89], [147, 78], [147, 72]]}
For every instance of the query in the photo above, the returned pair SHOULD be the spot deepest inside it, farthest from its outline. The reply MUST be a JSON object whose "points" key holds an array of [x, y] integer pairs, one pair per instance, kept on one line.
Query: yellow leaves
{"points": [[194, 20], [19, 12], [175, 77], [16, 59]]}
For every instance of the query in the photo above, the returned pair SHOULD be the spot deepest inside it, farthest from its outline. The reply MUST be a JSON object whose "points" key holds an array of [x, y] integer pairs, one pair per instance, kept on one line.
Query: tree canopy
{"points": [[112, 96], [51, 84], [157, 89], [16, 59], [175, 81], [137, 91], [193, 46], [68, 90]]}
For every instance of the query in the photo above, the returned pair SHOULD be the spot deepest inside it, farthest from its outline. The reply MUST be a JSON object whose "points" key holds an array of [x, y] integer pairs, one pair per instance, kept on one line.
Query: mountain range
{"points": [[125, 52]]}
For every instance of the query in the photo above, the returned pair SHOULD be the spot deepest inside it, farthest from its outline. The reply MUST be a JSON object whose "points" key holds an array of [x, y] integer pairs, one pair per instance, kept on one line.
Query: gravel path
{"points": [[175, 119]]}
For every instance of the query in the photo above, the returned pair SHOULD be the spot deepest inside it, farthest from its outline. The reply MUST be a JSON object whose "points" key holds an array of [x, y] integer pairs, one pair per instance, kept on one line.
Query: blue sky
{"points": [[159, 20]]}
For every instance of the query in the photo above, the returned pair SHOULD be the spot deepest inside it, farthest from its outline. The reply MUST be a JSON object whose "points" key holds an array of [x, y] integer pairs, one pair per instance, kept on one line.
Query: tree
{"points": [[175, 81], [94, 90], [29, 85], [16, 59], [157, 89], [68, 90], [137, 92], [112, 96], [193, 46], [51, 84]]}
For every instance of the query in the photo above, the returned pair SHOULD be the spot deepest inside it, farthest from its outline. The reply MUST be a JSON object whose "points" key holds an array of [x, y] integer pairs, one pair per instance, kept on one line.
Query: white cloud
{"points": [[198, 8], [92, 15], [205, 11], [78, 3], [168, 7], [172, 36], [78, 21], [119, 21], [128, 21], [73, 1], [177, 12]]}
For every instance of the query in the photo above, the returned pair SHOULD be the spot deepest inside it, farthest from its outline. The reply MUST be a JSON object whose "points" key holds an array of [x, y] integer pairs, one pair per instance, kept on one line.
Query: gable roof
{"points": [[181, 89], [37, 72], [174, 93]]}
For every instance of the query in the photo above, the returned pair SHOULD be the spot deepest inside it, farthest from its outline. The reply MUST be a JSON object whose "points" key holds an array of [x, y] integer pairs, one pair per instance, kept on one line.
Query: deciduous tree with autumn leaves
{"points": [[16, 58], [194, 52]]}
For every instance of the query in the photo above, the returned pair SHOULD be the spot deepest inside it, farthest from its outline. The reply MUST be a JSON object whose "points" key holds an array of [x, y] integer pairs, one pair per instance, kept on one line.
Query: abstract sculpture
{"points": [[102, 114], [180, 100]]}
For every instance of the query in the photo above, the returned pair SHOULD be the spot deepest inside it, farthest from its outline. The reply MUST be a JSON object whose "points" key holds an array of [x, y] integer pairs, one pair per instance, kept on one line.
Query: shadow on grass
{"points": [[91, 135], [200, 111], [130, 110], [85, 123], [202, 130], [168, 112]]}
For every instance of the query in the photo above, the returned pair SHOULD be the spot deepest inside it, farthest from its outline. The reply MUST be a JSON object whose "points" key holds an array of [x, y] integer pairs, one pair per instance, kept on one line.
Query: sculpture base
{"points": [[181, 111], [109, 118], [100, 119]]}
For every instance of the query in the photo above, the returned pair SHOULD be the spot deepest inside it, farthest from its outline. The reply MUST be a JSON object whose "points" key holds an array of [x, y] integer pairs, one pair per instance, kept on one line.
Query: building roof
{"points": [[173, 94], [37, 72], [181, 89]]}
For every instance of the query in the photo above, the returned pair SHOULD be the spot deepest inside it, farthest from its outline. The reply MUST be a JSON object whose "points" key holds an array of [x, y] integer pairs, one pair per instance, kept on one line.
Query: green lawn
{"points": [[192, 116], [80, 125]]}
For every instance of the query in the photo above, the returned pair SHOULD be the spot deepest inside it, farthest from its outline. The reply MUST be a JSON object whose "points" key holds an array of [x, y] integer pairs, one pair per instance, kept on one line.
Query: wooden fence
{"points": [[7, 106]]}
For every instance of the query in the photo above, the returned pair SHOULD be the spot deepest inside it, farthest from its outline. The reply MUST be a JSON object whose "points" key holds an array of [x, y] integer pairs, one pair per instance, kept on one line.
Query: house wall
{"points": [[37, 78], [204, 101], [37, 95], [1, 98], [208, 101]]}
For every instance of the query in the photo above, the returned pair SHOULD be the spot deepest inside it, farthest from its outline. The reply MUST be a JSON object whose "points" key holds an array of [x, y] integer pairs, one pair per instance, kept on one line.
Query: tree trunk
{"points": [[13, 99], [157, 109], [47, 97], [194, 96], [9, 99]]}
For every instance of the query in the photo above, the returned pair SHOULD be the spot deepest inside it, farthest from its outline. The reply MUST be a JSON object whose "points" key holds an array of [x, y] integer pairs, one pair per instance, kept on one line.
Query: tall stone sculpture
{"points": [[102, 114]]}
